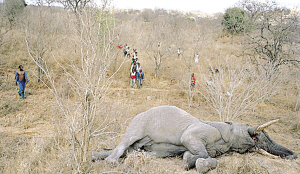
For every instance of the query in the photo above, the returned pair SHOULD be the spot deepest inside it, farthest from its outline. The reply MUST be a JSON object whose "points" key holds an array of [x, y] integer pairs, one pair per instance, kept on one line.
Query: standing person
{"points": [[125, 50], [132, 62], [138, 67], [134, 53], [132, 79], [21, 78], [178, 52], [133, 74], [133, 67], [140, 78], [196, 58], [128, 51], [193, 81]]}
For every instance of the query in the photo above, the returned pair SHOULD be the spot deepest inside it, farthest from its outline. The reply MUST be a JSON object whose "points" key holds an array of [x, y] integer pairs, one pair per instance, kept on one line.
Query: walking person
{"points": [[21, 78], [178, 52], [196, 58], [133, 74], [193, 81], [132, 79], [140, 78]]}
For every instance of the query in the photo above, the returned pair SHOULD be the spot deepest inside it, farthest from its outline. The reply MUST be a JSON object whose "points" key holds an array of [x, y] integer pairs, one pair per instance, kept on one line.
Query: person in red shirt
{"points": [[193, 80]]}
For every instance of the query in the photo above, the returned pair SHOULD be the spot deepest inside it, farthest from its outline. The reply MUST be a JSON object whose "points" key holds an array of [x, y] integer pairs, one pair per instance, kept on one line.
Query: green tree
{"points": [[234, 20]]}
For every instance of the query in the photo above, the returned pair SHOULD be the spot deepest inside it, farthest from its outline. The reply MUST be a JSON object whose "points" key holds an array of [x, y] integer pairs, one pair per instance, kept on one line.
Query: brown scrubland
{"points": [[79, 97]]}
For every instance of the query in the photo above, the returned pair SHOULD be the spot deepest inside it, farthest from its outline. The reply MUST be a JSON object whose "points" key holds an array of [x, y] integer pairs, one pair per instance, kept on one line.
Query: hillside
{"points": [[89, 82]]}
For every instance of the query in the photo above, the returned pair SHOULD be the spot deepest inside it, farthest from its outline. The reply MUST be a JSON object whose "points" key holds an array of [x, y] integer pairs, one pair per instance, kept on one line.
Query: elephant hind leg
{"points": [[134, 133], [122, 148]]}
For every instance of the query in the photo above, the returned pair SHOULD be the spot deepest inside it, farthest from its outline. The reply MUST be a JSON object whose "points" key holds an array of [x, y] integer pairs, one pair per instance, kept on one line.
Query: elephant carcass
{"points": [[166, 131]]}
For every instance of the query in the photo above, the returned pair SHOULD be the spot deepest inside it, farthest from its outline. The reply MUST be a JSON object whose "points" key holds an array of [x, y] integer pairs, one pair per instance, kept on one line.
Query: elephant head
{"points": [[242, 138], [264, 142]]}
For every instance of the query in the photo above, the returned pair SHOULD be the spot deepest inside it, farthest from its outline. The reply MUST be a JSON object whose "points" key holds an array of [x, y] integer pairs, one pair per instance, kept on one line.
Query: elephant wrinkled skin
{"points": [[167, 131]]}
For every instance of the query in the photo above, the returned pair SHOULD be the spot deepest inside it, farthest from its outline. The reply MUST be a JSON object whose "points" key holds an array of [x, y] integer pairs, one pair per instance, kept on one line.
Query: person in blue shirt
{"points": [[140, 77], [21, 77]]}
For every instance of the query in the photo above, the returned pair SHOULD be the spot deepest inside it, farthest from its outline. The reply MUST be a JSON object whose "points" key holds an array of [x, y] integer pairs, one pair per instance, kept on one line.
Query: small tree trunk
{"points": [[298, 98], [39, 69]]}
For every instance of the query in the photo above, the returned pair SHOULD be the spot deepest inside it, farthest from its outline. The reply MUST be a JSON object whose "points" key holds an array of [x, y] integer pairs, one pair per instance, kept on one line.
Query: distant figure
{"points": [[132, 62], [132, 79], [158, 45], [125, 49], [128, 51], [196, 58], [193, 81], [134, 53], [21, 78], [178, 52], [140, 78]]}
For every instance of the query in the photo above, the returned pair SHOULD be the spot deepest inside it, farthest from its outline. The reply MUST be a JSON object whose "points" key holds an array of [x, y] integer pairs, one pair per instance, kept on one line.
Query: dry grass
{"points": [[33, 141]]}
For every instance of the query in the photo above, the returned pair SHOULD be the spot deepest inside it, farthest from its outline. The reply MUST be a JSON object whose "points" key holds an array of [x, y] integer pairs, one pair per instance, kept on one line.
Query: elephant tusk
{"points": [[263, 152], [263, 126]]}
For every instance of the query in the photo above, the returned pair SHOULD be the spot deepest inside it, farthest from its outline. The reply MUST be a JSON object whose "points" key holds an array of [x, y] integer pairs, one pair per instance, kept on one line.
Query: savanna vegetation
{"points": [[79, 99]]}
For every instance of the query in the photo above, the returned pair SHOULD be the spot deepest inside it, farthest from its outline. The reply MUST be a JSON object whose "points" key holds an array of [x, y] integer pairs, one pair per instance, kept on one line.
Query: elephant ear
{"points": [[224, 129]]}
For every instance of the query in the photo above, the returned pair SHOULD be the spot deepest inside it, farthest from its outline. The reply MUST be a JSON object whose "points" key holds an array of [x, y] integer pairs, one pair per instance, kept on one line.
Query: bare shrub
{"points": [[86, 79], [233, 88]]}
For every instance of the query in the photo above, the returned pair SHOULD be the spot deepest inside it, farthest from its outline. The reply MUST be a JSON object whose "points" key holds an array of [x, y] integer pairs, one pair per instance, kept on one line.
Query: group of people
{"points": [[136, 73], [129, 52]]}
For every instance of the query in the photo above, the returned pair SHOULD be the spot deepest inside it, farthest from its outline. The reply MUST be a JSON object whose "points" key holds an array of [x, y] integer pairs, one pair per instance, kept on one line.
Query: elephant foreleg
{"points": [[205, 165], [196, 148], [202, 165], [189, 159]]}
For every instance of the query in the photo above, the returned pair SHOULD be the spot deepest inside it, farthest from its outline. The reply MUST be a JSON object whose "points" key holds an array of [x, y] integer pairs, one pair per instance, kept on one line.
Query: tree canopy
{"points": [[233, 20]]}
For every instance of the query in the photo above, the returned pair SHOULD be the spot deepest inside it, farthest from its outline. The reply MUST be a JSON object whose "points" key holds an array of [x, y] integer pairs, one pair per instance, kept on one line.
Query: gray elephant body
{"points": [[169, 131]]}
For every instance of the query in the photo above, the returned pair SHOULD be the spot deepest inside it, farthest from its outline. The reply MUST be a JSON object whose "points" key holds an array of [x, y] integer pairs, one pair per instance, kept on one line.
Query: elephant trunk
{"points": [[281, 151], [263, 141]]}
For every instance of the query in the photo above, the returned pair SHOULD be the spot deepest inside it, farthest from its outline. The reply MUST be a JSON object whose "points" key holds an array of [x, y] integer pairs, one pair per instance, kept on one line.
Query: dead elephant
{"points": [[167, 131]]}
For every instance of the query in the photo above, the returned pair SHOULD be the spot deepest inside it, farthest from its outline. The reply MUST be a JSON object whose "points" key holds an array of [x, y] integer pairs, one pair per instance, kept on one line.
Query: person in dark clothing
{"points": [[21, 78], [140, 78]]}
